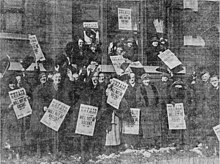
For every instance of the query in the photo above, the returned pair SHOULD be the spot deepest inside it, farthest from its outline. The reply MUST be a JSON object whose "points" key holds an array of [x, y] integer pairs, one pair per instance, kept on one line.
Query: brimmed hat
{"points": [[154, 39], [130, 40], [12, 80], [145, 76], [204, 72], [123, 77], [178, 84]]}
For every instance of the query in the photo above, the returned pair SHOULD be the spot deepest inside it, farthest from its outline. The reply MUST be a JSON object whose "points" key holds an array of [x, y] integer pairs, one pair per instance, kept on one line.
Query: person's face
{"points": [[214, 81], [93, 48], [11, 86], [132, 78], [18, 78], [205, 77], [43, 79], [146, 82], [155, 44], [119, 50], [129, 44], [95, 79], [164, 78], [56, 78], [75, 76], [101, 78], [80, 42]]}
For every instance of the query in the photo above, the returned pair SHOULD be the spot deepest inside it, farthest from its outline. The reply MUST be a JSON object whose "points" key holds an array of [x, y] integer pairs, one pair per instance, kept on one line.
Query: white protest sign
{"points": [[116, 93], [93, 26], [169, 59], [55, 114], [124, 19], [158, 24], [90, 25], [129, 128], [36, 48], [86, 120], [20, 102], [117, 62], [176, 116], [217, 131]]}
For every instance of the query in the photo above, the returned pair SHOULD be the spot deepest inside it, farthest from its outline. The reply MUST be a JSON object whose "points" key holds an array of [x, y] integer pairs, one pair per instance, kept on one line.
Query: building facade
{"points": [[191, 27]]}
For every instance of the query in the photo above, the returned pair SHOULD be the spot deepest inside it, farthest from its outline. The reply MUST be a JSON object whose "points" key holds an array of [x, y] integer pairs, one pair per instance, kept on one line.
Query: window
{"points": [[12, 13]]}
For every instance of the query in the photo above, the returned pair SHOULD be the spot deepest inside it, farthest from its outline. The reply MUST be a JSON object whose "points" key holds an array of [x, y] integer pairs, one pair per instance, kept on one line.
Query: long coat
{"points": [[42, 97], [12, 127], [148, 102]]}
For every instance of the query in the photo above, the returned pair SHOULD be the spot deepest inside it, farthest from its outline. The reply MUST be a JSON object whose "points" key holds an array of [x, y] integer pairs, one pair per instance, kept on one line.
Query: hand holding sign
{"points": [[55, 114], [116, 93], [20, 103], [86, 120]]}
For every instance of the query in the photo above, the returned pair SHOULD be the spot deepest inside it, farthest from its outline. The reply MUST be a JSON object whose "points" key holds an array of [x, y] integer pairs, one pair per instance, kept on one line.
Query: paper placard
{"points": [[132, 128], [93, 26], [20, 102], [90, 25], [117, 62], [191, 4], [158, 24], [176, 116], [36, 48], [116, 93], [124, 19], [217, 131], [55, 114], [86, 120], [169, 59]]}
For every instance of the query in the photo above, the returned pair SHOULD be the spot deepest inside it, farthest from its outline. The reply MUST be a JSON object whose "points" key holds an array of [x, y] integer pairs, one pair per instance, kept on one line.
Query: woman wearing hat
{"points": [[148, 102], [131, 49], [12, 127], [37, 132]]}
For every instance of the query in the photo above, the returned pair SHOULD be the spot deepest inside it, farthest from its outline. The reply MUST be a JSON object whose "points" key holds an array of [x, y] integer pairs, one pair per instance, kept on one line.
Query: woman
{"points": [[91, 95], [148, 101], [37, 132], [114, 137], [12, 127]]}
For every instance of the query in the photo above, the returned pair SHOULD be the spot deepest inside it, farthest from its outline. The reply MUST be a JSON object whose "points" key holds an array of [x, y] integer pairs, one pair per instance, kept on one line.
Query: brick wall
{"points": [[50, 21], [201, 23]]}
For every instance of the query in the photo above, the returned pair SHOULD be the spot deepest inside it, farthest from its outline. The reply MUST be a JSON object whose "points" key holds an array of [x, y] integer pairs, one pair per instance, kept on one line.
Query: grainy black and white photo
{"points": [[109, 81]]}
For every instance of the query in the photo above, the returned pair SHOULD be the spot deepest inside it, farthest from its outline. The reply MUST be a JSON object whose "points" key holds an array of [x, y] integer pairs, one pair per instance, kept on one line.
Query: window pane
{"points": [[12, 4]]}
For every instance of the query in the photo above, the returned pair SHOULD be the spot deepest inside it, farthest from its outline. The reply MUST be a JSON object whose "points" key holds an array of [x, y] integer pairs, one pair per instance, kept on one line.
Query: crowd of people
{"points": [[76, 80]]}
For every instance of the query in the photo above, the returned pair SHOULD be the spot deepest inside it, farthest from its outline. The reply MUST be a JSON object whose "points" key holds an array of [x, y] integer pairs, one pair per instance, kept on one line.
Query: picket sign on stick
{"points": [[176, 116], [20, 102], [55, 114], [116, 93], [169, 59], [36, 48], [86, 120], [217, 131], [129, 128], [158, 24], [117, 62], [93, 26]]}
